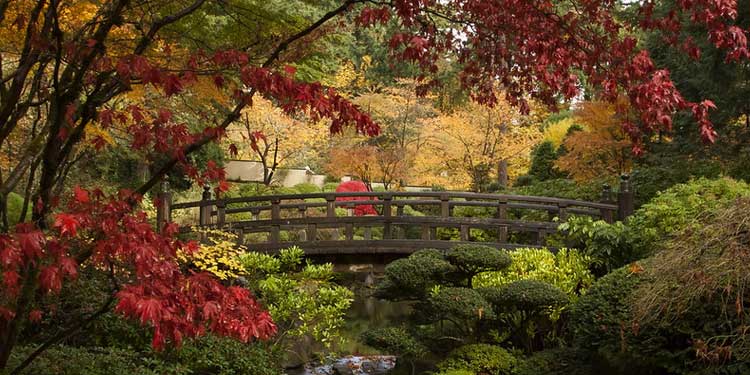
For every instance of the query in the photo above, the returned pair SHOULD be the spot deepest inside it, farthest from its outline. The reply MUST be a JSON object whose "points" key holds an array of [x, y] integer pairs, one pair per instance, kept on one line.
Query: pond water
{"points": [[366, 313]]}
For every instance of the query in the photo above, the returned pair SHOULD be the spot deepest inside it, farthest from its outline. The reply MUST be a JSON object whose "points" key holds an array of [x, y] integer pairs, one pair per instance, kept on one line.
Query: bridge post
{"points": [[275, 216], [221, 213], [164, 209], [205, 208], [625, 198], [445, 210], [607, 199], [387, 199], [502, 214]]}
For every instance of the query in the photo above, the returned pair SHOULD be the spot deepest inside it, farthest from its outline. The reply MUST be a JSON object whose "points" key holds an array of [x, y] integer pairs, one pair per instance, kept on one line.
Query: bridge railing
{"points": [[270, 221]]}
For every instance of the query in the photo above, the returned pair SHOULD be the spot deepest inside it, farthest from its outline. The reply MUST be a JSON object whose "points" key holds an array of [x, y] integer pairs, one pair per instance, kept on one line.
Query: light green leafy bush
{"points": [[609, 246], [301, 298], [679, 207], [567, 270]]}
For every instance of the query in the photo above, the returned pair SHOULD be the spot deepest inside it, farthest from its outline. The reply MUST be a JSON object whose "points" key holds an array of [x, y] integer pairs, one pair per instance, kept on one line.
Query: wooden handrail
{"points": [[310, 214]]}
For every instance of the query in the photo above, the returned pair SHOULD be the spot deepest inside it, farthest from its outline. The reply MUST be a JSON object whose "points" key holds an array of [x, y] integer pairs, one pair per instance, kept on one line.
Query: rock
{"points": [[369, 365], [353, 365]]}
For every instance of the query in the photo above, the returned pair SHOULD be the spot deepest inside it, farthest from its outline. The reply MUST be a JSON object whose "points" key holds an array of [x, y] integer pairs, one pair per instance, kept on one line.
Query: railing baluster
{"points": [[625, 197], [164, 210], [349, 231], [387, 198], [502, 234], [607, 215], [562, 212], [464, 232], [502, 208], [302, 209], [426, 232], [330, 205], [445, 210], [312, 232], [221, 214]]}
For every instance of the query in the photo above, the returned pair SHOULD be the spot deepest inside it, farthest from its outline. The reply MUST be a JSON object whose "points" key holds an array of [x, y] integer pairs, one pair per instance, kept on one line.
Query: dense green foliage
{"points": [[567, 269], [479, 359], [301, 297], [678, 208]]}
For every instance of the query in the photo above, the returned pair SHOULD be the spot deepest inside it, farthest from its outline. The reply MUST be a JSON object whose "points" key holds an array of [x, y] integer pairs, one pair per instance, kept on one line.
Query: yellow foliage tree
{"points": [[556, 131], [463, 148], [274, 138], [601, 148]]}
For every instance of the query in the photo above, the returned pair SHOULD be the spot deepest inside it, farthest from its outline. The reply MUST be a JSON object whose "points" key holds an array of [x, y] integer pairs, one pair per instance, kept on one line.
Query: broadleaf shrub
{"points": [[679, 207], [567, 270]]}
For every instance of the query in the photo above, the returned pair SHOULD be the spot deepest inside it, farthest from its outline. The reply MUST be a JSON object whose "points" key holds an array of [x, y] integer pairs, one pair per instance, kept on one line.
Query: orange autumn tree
{"points": [[602, 148]]}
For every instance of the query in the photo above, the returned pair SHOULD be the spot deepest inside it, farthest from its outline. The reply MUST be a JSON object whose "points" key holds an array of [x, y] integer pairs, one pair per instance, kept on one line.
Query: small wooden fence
{"points": [[324, 223]]}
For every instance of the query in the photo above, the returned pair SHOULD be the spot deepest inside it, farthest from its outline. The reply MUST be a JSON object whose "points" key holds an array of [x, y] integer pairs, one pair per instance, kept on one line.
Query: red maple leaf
{"points": [[66, 224]]}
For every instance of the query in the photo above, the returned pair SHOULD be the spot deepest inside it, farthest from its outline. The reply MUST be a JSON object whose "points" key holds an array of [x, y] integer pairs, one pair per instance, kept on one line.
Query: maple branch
{"points": [[157, 25], [235, 114]]}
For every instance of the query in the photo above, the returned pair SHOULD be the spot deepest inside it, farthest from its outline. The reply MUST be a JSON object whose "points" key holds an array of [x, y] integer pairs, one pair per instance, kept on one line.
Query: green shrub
{"points": [[705, 269], [412, 277], [524, 180], [472, 259], [543, 159], [610, 246], [330, 186], [564, 188], [567, 270], [394, 340], [302, 298], [648, 181], [597, 318], [527, 295], [223, 356], [558, 361], [603, 323], [462, 305], [67, 360], [679, 207], [307, 188], [480, 359]]}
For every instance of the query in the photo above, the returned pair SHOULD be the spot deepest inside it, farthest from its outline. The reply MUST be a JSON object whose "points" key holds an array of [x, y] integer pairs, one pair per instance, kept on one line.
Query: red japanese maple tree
{"points": [[58, 80]]}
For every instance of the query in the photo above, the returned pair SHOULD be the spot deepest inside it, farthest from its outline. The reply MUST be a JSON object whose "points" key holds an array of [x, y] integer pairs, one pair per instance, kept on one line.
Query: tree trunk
{"points": [[502, 173]]}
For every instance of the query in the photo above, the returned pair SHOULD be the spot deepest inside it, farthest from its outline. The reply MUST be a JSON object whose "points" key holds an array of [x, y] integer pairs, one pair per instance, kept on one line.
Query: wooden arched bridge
{"points": [[326, 224]]}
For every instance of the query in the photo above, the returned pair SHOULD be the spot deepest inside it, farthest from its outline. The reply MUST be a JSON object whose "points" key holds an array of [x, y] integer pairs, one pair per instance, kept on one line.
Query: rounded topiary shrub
{"points": [[411, 277], [527, 295], [480, 359], [456, 304], [473, 259]]}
